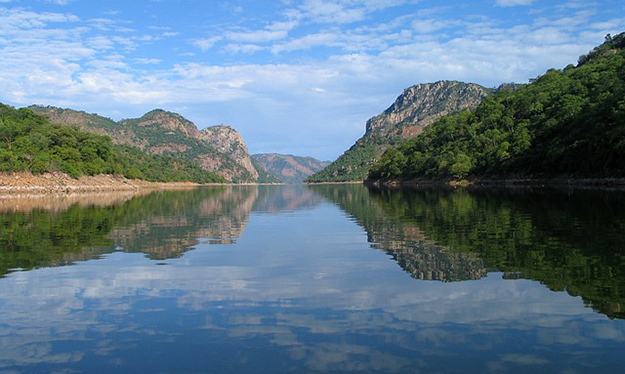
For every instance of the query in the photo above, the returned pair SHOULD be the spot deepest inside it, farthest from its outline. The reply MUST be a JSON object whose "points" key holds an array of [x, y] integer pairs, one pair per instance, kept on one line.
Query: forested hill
{"points": [[566, 123], [29, 142], [219, 149], [417, 107]]}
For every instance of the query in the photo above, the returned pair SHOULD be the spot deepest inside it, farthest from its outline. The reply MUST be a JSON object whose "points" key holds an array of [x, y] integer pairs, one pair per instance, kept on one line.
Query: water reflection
{"points": [[403, 239], [569, 240], [38, 231], [298, 290]]}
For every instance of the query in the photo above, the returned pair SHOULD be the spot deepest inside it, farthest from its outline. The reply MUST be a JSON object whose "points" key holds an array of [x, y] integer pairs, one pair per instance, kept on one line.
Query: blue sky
{"points": [[292, 76]]}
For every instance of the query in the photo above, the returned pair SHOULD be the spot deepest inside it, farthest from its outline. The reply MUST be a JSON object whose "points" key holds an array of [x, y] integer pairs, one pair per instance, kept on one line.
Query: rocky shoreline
{"points": [[55, 183]]}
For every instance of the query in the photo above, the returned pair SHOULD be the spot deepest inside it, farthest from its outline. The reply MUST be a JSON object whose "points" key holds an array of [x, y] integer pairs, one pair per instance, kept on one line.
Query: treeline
{"points": [[29, 142], [565, 123]]}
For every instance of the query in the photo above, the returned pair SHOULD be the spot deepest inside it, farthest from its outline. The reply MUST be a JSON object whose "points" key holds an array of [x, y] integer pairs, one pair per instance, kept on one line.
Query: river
{"points": [[318, 279]]}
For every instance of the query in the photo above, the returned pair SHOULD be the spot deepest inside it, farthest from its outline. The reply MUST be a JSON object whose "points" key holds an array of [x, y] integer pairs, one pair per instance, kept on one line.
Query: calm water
{"points": [[326, 279]]}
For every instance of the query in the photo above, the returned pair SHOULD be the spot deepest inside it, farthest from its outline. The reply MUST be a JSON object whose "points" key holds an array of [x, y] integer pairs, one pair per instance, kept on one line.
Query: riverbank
{"points": [[531, 182], [54, 183]]}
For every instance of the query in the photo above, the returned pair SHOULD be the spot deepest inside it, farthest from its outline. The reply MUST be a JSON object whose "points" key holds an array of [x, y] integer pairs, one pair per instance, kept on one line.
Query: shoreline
{"points": [[512, 182], [25, 183]]}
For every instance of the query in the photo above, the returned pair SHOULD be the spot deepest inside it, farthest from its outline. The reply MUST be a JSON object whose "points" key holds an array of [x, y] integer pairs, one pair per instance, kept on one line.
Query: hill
{"points": [[567, 123], [30, 142], [415, 109], [218, 149], [288, 168]]}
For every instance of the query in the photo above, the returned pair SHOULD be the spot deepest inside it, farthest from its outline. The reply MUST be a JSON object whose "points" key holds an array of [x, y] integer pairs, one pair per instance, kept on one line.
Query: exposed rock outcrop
{"points": [[228, 141], [421, 105]]}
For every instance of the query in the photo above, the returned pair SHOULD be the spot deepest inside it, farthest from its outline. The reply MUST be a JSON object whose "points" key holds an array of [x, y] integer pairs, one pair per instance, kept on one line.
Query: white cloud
{"points": [[259, 36], [148, 61], [242, 48], [506, 3], [206, 43], [308, 41], [14, 19], [426, 26], [100, 43], [60, 2]]}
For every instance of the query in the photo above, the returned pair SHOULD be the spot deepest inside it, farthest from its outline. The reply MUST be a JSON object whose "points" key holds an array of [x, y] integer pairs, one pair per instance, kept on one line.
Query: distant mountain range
{"points": [[288, 168]]}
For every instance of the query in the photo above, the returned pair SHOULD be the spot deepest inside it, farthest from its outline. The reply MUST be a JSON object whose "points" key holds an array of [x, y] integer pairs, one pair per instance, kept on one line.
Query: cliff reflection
{"points": [[568, 240], [403, 240]]}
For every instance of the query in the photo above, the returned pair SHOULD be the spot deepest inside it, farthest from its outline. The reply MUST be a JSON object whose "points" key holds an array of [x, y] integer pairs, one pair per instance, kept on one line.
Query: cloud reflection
{"points": [[299, 290]]}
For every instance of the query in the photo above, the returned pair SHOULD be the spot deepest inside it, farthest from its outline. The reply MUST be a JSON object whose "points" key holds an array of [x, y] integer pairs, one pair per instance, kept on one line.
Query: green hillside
{"points": [[415, 109], [29, 142], [566, 123], [158, 132]]}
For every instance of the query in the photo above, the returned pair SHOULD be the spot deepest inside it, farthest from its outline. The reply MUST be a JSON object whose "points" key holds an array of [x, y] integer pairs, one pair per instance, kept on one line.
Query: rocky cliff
{"points": [[288, 168], [417, 107], [227, 141], [421, 105], [219, 149]]}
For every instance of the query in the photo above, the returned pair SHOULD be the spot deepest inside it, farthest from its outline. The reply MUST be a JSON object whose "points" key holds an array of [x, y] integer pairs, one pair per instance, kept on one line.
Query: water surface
{"points": [[325, 279]]}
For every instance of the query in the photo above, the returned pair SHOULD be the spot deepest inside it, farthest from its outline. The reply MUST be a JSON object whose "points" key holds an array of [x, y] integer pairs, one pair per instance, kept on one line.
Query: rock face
{"points": [[227, 141], [167, 121], [417, 107], [421, 105], [219, 149], [288, 168]]}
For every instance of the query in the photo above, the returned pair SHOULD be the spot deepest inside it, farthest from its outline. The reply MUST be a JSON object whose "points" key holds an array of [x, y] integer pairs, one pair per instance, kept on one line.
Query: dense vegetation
{"points": [[355, 163], [566, 123], [29, 142]]}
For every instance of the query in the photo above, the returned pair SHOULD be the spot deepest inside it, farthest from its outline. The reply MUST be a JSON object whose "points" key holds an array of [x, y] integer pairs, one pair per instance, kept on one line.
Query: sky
{"points": [[291, 76]]}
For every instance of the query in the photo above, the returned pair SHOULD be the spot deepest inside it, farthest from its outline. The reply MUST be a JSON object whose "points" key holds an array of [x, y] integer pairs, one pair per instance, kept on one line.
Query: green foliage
{"points": [[28, 142], [355, 163], [568, 123]]}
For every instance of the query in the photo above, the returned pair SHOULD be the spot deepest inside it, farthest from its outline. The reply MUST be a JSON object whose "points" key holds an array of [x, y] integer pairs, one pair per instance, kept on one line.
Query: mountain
{"points": [[288, 168], [30, 142], [567, 123], [218, 149], [416, 108]]}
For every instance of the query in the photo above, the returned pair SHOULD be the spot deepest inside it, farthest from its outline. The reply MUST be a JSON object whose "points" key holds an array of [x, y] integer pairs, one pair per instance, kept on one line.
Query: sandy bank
{"points": [[53, 183]]}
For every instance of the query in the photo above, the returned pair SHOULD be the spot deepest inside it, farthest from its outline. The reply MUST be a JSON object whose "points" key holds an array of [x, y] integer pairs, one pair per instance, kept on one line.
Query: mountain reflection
{"points": [[568, 240], [403, 240], [41, 231]]}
